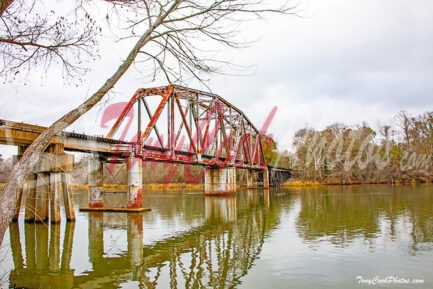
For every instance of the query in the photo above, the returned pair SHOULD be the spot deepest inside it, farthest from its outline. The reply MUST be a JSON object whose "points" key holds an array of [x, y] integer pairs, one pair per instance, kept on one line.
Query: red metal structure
{"points": [[165, 124], [179, 124]]}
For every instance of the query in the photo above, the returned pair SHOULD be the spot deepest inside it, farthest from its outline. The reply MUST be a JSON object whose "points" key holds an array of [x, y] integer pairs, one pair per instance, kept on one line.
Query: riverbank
{"points": [[337, 182], [288, 184]]}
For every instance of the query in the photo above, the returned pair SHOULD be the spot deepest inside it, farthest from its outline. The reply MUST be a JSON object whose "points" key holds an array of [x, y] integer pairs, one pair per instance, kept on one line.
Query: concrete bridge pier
{"points": [[256, 179], [96, 182], [252, 179], [43, 188], [220, 181], [265, 177], [134, 193], [135, 182]]}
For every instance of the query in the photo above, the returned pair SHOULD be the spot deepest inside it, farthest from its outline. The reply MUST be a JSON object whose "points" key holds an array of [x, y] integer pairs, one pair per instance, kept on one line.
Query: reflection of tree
{"points": [[340, 215], [417, 204], [344, 213]]}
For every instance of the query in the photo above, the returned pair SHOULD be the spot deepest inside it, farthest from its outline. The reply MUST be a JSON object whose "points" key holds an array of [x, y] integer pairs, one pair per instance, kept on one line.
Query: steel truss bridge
{"points": [[166, 124], [190, 126]]}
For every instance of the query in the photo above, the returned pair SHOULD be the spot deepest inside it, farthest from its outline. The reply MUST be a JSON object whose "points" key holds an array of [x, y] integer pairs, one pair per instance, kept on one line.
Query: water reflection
{"points": [[344, 213], [43, 266], [220, 209], [307, 238], [217, 253]]}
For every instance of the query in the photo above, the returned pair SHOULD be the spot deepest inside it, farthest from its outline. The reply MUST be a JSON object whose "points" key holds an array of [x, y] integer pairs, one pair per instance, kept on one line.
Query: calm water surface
{"points": [[333, 237]]}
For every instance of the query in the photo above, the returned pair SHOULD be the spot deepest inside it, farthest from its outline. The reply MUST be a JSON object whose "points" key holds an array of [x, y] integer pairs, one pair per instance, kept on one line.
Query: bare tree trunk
{"points": [[4, 4]]}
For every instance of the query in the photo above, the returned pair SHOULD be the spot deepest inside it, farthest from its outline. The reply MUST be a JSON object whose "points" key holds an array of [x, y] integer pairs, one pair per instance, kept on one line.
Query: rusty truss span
{"points": [[170, 124], [179, 124]]}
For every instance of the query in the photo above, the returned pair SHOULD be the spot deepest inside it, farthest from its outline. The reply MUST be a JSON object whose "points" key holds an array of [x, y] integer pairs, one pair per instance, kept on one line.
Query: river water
{"points": [[325, 237]]}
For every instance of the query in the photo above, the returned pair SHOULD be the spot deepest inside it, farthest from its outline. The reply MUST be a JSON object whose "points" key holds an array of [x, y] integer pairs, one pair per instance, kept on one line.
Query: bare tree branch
{"points": [[29, 39]]}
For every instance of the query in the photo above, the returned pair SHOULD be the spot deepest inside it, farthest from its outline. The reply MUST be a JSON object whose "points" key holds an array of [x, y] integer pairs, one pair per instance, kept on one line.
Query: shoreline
{"points": [[289, 184], [335, 182]]}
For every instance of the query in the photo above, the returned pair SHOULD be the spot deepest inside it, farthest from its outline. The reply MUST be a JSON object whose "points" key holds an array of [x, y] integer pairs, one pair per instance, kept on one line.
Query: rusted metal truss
{"points": [[178, 124]]}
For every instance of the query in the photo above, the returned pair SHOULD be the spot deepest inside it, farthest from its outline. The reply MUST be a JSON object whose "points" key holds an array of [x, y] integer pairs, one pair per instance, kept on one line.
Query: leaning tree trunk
{"points": [[4, 4], [8, 200]]}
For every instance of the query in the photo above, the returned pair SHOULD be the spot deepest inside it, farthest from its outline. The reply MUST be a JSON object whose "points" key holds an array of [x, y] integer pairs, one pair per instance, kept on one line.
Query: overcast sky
{"points": [[342, 61]]}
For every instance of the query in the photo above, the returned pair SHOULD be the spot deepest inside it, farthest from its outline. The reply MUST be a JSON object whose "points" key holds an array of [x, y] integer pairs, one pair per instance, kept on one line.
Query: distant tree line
{"points": [[400, 151]]}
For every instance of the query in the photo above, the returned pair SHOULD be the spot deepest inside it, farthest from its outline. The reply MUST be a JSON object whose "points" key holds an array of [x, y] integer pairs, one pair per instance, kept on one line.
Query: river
{"points": [[370, 236]]}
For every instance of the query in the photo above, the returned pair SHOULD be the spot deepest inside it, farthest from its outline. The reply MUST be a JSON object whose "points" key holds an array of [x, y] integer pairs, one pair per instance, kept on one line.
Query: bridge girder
{"points": [[200, 127]]}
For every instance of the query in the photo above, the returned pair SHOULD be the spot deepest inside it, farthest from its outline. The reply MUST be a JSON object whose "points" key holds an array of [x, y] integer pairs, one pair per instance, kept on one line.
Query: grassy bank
{"points": [[337, 182], [300, 183]]}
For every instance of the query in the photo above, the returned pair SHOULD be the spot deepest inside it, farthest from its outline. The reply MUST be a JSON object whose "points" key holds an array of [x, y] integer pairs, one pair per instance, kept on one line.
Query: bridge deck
{"points": [[23, 134]]}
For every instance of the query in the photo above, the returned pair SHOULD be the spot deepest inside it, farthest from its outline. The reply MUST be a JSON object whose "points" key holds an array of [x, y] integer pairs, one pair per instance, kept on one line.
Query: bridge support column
{"points": [[135, 182], [252, 179], [219, 181], [67, 196], [43, 186], [96, 181], [30, 213], [266, 178], [55, 197], [42, 197]]}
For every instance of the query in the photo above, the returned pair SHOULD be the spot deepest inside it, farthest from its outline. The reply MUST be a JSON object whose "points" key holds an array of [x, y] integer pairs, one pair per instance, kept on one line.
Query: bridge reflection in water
{"points": [[216, 253]]}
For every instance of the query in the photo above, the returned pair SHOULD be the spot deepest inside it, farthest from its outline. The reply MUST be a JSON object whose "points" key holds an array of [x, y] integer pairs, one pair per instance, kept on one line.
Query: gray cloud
{"points": [[368, 53]]}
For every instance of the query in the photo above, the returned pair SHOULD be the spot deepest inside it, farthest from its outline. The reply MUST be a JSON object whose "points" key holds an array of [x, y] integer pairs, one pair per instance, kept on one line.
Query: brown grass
{"points": [[173, 186], [299, 183]]}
